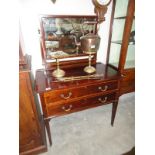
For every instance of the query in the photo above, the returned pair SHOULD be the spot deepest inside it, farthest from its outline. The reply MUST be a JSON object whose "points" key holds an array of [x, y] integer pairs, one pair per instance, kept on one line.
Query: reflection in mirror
{"points": [[62, 34]]}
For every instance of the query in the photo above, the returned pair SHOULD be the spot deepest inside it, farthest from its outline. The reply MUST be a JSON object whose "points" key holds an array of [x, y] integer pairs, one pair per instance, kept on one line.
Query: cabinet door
{"points": [[119, 18], [29, 132], [121, 49]]}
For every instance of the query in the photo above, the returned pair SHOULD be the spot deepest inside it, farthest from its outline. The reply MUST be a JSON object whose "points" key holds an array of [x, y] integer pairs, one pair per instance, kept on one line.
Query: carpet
{"points": [[89, 132]]}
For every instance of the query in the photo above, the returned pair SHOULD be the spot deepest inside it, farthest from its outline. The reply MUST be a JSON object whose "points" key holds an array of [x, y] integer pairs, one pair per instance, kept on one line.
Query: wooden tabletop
{"points": [[44, 81]]}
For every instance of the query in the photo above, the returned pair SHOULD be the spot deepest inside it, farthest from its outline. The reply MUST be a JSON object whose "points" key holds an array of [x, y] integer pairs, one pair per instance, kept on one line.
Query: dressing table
{"points": [[63, 85], [61, 98]]}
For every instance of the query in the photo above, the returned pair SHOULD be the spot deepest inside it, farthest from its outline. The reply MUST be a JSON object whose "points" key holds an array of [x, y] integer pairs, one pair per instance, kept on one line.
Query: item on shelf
{"points": [[132, 38]]}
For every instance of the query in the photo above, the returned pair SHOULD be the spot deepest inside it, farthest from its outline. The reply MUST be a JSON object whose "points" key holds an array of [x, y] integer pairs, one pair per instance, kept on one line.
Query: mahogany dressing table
{"points": [[74, 90], [61, 98]]}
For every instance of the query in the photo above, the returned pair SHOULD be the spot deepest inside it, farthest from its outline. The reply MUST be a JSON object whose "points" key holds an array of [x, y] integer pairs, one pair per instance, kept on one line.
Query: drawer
{"points": [[128, 75], [67, 94], [80, 104], [127, 86], [102, 87]]}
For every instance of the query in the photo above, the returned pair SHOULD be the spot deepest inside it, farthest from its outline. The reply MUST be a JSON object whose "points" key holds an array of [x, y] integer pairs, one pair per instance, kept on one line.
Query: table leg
{"points": [[114, 109], [48, 130]]}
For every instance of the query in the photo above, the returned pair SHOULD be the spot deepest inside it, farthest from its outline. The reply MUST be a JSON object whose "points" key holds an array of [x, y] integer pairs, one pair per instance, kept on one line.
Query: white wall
{"points": [[29, 21]]}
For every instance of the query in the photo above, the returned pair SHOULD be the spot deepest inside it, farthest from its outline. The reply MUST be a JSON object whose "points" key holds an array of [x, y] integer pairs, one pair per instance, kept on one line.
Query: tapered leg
{"points": [[114, 109], [48, 130]]}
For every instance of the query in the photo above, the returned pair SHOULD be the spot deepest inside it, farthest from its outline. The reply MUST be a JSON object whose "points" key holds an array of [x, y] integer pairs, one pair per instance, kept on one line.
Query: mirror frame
{"points": [[67, 63]]}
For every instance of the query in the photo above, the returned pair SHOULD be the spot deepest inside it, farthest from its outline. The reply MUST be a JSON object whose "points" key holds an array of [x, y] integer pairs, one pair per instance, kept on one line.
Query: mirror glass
{"points": [[61, 34]]}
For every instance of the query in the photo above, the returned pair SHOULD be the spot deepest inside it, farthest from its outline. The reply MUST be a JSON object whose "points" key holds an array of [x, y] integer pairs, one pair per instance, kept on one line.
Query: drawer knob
{"points": [[67, 109], [103, 89], [66, 97], [103, 101]]}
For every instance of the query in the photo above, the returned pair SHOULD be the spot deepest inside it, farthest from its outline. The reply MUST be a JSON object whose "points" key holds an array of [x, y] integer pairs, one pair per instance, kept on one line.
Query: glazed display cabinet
{"points": [[121, 50]]}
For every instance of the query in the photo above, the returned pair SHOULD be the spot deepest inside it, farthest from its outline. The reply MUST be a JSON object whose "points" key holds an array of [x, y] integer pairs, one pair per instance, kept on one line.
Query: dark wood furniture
{"points": [[77, 90], [131, 152], [61, 98], [32, 138], [121, 48]]}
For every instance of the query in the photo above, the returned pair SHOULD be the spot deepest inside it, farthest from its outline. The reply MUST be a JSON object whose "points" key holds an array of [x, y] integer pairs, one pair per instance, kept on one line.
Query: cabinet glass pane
{"points": [[118, 30], [121, 8], [114, 54], [130, 59]]}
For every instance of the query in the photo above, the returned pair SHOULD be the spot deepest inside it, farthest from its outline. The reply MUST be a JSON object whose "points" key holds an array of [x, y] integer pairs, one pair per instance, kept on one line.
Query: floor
{"points": [[89, 132]]}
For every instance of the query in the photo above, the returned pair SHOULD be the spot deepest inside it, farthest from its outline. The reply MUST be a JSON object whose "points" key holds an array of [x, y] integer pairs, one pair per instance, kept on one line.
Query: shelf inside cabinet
{"points": [[120, 42], [121, 17], [117, 42], [114, 65], [130, 64]]}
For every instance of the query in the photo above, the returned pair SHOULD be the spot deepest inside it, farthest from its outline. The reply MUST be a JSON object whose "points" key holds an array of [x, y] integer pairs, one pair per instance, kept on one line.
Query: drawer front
{"points": [[80, 105], [127, 86], [66, 95], [102, 87], [127, 83], [128, 75]]}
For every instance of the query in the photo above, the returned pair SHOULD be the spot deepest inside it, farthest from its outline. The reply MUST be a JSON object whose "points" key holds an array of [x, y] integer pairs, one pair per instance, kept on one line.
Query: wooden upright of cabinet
{"points": [[31, 128], [121, 50]]}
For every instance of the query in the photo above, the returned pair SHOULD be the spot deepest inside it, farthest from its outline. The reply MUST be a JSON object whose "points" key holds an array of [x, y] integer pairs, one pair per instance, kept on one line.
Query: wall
{"points": [[29, 21]]}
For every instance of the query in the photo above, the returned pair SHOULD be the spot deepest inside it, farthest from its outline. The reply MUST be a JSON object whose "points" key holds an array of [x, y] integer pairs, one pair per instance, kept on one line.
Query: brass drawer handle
{"points": [[123, 75], [103, 89], [67, 109], [66, 97], [103, 101]]}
